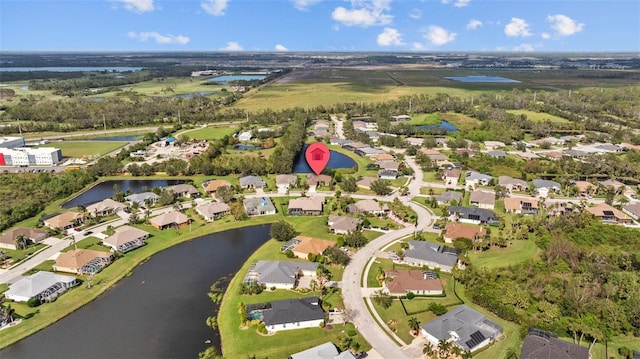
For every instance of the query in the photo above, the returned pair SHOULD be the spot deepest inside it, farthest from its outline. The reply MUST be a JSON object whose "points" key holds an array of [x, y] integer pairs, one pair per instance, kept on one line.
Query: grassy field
{"points": [[462, 122], [79, 149], [210, 132], [538, 116], [170, 86], [518, 252]]}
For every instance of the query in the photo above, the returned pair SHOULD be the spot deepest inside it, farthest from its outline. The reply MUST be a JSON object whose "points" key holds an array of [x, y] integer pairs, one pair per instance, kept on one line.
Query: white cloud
{"points": [[439, 36], [364, 13], [545, 35], [415, 14], [417, 46], [137, 5], [390, 37], [517, 27], [524, 48], [304, 5], [564, 25], [160, 39], [446, 1], [214, 7], [462, 3], [232, 46], [474, 24], [280, 48]]}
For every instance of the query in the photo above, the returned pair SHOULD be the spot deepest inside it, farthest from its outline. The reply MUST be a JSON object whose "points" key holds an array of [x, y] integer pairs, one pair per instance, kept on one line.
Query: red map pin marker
{"points": [[317, 156]]}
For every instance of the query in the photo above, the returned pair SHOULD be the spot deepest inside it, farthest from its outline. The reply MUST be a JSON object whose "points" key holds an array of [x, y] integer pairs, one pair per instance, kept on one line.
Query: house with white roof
{"points": [[45, 286]]}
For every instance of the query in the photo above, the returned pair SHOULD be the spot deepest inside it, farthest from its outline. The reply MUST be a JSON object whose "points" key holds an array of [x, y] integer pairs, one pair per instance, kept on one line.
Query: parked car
{"points": [[435, 226], [88, 233]]}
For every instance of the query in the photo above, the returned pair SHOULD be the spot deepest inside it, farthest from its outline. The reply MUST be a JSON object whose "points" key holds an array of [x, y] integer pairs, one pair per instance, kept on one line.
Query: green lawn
{"points": [[46, 266], [518, 252], [17, 256], [396, 314], [91, 149], [426, 119], [210, 132], [538, 116], [88, 243], [385, 264]]}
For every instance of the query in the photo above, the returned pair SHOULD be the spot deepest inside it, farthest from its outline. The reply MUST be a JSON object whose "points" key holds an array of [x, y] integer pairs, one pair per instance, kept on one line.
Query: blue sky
{"points": [[320, 25]]}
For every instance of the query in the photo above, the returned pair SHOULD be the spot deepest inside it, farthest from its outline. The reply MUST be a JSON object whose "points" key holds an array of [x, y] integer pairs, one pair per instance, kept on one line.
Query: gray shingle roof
{"points": [[141, 197], [540, 183], [281, 271], [251, 181], [432, 252], [293, 311], [448, 196], [473, 213], [37, 283], [473, 175], [538, 345], [470, 326]]}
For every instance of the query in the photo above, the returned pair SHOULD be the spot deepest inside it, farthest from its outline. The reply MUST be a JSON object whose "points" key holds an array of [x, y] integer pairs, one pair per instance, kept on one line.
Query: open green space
{"points": [[92, 243], [18, 255], [397, 320], [169, 86], [517, 252], [79, 149], [462, 122], [538, 116], [426, 119], [210, 132]]}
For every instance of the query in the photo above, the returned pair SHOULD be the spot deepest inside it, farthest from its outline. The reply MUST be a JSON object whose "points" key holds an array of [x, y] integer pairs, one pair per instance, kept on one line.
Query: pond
{"points": [[337, 160], [228, 78], [479, 79], [158, 311], [195, 94], [105, 190], [242, 147], [444, 125]]}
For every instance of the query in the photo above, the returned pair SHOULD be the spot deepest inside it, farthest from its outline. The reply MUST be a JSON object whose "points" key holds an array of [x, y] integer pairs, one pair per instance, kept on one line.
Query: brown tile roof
{"points": [[600, 209], [286, 179], [344, 223], [410, 280], [307, 203], [311, 245], [483, 197], [213, 185], [451, 173], [382, 157], [168, 218], [365, 182], [315, 179], [9, 237], [104, 205], [76, 258], [125, 234], [63, 220], [515, 203], [459, 230], [584, 186]]}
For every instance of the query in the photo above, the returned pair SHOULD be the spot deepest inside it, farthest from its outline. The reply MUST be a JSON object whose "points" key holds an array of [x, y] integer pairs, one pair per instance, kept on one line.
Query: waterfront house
{"points": [[343, 225], [211, 187], [45, 286], [245, 136], [306, 245], [464, 327], [82, 261], [33, 236], [306, 206], [483, 199], [64, 221], [289, 314], [184, 191], [433, 255], [323, 351], [259, 206], [142, 199], [402, 282], [455, 230], [212, 211], [279, 274], [125, 239], [173, 219], [314, 180], [106, 207], [251, 182], [284, 182]]}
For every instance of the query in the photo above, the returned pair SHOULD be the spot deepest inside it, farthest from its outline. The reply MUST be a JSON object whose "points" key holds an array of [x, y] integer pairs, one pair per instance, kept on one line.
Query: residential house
{"points": [[125, 239], [632, 209], [464, 327], [380, 157], [340, 141], [33, 236], [543, 187], [314, 180], [447, 197], [245, 136], [64, 221], [539, 344], [306, 206], [497, 154], [142, 199], [493, 145], [415, 141], [368, 151], [434, 155], [45, 286], [455, 230], [259, 206], [401, 117], [173, 219], [82, 261], [211, 187], [306, 245], [433, 255], [251, 182], [512, 184], [465, 151], [352, 146], [365, 182], [343, 225], [525, 155], [451, 176], [402, 282], [585, 188], [279, 274], [323, 351], [474, 179], [213, 211], [551, 155], [615, 185], [483, 199], [387, 174], [609, 214], [521, 205], [367, 206], [184, 191], [388, 165], [289, 313], [472, 214], [284, 182], [106, 207], [608, 147], [576, 153]]}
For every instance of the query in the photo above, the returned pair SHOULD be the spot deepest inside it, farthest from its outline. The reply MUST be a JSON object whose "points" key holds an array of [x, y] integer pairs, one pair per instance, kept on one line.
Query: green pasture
{"points": [[538, 116], [517, 252], [209, 132], [79, 149], [169, 86]]}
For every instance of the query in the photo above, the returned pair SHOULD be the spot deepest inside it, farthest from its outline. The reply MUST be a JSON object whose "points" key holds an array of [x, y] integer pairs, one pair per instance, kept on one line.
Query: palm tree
{"points": [[21, 242], [414, 324], [512, 353], [428, 350]]}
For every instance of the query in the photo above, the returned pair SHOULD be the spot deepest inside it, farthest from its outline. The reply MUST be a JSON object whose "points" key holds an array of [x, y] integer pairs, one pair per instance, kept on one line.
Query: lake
{"points": [[447, 126], [159, 311], [228, 78], [113, 138], [71, 69], [337, 160], [479, 79], [195, 94], [104, 190]]}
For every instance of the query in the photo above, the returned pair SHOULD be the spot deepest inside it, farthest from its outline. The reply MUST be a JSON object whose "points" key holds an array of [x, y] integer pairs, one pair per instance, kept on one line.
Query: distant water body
{"points": [[228, 78], [70, 69], [480, 79]]}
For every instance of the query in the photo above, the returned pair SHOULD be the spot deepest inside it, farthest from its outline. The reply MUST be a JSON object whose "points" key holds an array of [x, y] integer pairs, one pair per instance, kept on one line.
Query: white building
{"points": [[12, 142], [45, 286], [25, 156]]}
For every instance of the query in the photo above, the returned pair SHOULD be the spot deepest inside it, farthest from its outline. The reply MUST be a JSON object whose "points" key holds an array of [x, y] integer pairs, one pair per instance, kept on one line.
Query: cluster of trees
{"points": [[25, 195], [290, 145]]}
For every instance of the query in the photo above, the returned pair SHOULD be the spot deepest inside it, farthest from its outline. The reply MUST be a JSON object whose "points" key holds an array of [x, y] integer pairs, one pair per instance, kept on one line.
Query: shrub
{"points": [[410, 295], [262, 329], [33, 302], [437, 308]]}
